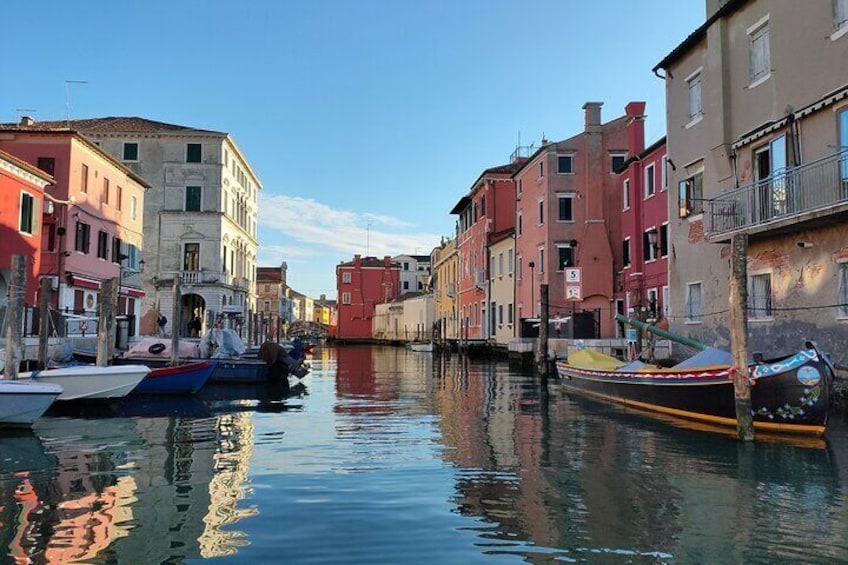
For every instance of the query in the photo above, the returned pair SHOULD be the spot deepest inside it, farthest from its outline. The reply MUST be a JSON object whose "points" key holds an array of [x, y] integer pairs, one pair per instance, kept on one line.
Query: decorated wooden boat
{"points": [[788, 395]]}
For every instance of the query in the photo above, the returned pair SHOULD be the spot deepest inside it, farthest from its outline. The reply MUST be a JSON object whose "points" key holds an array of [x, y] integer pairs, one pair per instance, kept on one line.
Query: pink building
{"points": [[568, 210], [362, 284], [487, 209], [92, 221], [21, 202], [643, 181]]}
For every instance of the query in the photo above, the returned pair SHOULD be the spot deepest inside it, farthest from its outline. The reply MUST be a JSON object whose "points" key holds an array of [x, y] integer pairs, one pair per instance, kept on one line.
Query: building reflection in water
{"points": [[128, 490]]}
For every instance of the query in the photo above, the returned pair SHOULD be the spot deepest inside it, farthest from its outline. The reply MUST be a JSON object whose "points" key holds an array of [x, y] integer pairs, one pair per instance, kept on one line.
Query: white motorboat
{"points": [[422, 346], [90, 382], [23, 402]]}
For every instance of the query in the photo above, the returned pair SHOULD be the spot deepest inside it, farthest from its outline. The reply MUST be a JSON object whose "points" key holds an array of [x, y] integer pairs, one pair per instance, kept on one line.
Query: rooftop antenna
{"points": [[68, 84], [20, 112], [368, 237]]}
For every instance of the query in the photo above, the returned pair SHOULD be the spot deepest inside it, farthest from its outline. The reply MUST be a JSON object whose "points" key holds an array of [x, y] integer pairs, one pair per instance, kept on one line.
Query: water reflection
{"points": [[127, 490]]}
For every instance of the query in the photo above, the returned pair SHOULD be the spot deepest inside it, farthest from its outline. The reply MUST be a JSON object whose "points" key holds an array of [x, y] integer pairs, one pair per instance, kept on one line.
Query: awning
{"points": [[132, 292], [76, 280]]}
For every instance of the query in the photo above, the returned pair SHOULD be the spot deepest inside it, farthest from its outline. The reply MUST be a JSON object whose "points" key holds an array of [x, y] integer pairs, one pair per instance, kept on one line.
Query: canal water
{"points": [[392, 456]]}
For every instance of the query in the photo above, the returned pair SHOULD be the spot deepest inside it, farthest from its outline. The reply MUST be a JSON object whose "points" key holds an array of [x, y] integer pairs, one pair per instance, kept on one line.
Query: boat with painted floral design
{"points": [[788, 395]]}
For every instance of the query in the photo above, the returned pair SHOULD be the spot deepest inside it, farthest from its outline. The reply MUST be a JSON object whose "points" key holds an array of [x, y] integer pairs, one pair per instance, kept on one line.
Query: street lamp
{"points": [[532, 265]]}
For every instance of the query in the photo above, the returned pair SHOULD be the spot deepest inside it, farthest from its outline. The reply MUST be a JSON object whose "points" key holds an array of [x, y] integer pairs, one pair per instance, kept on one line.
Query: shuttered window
{"points": [[759, 296]]}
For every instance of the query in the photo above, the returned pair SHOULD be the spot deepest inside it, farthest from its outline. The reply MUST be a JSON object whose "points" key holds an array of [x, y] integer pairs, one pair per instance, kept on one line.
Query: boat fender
{"points": [[156, 348]]}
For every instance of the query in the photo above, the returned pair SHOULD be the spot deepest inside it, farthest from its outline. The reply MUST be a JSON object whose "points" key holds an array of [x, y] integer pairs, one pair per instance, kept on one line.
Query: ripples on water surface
{"points": [[391, 456]]}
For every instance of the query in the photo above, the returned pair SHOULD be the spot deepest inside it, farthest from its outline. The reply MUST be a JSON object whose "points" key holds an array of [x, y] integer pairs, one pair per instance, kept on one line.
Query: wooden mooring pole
{"points": [[43, 321], [739, 336], [544, 317], [106, 321], [15, 317], [176, 323]]}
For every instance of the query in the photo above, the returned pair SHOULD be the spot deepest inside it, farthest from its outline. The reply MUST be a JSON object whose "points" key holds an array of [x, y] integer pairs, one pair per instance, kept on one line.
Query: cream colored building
{"points": [[502, 289], [407, 318], [199, 214], [757, 115], [445, 266]]}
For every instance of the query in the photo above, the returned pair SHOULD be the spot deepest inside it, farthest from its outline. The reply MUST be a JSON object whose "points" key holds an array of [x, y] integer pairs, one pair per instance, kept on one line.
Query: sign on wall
{"points": [[573, 286]]}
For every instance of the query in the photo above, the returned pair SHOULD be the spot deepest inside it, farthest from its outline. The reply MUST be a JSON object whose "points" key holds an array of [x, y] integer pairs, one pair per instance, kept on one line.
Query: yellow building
{"points": [[445, 265]]}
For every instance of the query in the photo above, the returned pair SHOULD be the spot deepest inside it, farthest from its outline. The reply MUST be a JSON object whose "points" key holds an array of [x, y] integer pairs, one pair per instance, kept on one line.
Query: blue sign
{"points": [[632, 334]]}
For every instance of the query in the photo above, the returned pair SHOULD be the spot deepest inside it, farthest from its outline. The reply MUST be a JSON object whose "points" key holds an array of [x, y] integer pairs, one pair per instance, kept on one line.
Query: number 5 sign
{"points": [[572, 275]]}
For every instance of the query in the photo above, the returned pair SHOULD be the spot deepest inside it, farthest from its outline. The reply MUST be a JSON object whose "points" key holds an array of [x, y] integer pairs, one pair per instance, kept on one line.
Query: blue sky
{"points": [[365, 120]]}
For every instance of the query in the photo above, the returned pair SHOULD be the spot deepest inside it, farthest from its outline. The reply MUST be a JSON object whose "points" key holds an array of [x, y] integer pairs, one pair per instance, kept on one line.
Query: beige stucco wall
{"points": [[502, 289]]}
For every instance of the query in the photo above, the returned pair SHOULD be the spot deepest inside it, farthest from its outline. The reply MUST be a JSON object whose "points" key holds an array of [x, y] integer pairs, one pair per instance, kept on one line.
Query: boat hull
{"points": [[240, 371], [89, 382], [181, 379], [788, 396], [22, 403]]}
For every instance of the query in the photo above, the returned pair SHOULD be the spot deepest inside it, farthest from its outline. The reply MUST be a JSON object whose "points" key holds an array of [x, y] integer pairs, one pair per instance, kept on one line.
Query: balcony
{"points": [[802, 193], [198, 277]]}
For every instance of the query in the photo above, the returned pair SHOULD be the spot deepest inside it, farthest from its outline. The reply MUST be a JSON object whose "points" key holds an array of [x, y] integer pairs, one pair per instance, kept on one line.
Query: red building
{"points": [[21, 204], [361, 285], [643, 182], [487, 209], [568, 215]]}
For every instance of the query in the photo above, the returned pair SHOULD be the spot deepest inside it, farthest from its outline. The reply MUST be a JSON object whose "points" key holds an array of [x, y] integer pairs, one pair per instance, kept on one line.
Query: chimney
{"points": [[593, 115], [27, 121], [387, 261], [635, 112], [357, 260]]}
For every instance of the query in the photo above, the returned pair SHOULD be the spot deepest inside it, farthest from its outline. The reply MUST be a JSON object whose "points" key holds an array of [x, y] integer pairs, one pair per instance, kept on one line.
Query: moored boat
{"points": [[90, 382], [187, 378], [788, 395], [23, 402], [421, 346]]}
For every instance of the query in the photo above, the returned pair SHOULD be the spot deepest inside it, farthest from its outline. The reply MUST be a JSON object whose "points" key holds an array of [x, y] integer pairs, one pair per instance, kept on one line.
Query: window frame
{"points": [[759, 32], [104, 196], [699, 316], [82, 237], [562, 197], [124, 148], [650, 188], [625, 194], [690, 205], [346, 277], [199, 198], [626, 252], [695, 85], [615, 155], [570, 157], [31, 221], [346, 298], [188, 153], [753, 306], [84, 178], [559, 247], [102, 245]]}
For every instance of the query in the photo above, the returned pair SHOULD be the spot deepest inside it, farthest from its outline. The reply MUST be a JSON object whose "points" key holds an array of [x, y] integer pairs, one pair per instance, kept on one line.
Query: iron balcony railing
{"points": [[784, 195]]}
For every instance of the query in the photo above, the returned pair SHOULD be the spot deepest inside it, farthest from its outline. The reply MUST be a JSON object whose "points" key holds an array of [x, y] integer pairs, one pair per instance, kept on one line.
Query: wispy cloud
{"points": [[320, 229]]}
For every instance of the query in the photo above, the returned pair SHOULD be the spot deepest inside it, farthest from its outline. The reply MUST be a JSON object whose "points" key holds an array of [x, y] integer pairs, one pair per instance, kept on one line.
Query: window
{"points": [[625, 252], [267, 306], [405, 285], [541, 264], [191, 257], [130, 151], [27, 217], [626, 194], [405, 266], [840, 12], [84, 180], [500, 313], [650, 187], [346, 277], [541, 169], [81, 240], [193, 152], [541, 212], [565, 164], [102, 244], [694, 86], [46, 164], [664, 240], [226, 158], [520, 225], [116, 250], [691, 195], [759, 296], [842, 299], [133, 207], [510, 261], [652, 302], [617, 161], [565, 207], [509, 314], [565, 256], [649, 251], [759, 55], [694, 307], [664, 182], [345, 298], [104, 198], [224, 262], [483, 205], [519, 187], [192, 199], [500, 264]]}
